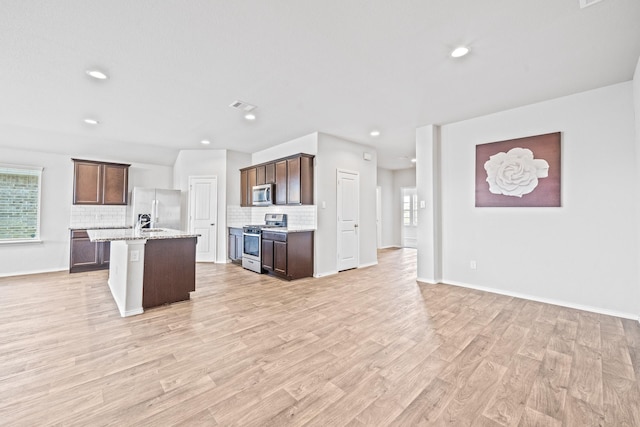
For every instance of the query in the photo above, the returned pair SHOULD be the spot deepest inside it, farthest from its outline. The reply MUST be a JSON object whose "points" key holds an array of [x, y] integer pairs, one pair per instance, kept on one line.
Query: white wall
{"points": [[235, 161], [583, 254], [388, 219], [333, 154], [307, 144], [57, 198], [636, 99], [204, 163]]}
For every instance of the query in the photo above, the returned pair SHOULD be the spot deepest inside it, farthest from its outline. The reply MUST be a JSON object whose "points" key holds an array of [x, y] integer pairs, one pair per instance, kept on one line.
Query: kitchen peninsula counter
{"points": [[149, 268]]}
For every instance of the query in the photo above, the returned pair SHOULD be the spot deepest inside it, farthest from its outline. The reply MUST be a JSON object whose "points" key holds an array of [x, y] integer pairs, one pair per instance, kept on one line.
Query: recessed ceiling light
{"points": [[460, 51], [205, 142], [414, 160], [375, 133], [97, 74], [91, 121], [250, 116]]}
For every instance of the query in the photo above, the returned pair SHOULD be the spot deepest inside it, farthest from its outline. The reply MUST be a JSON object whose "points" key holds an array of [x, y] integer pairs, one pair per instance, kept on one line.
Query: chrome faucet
{"points": [[142, 221]]}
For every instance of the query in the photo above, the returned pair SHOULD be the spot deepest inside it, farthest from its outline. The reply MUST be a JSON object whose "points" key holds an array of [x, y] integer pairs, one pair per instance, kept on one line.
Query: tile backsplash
{"points": [[97, 216], [297, 216]]}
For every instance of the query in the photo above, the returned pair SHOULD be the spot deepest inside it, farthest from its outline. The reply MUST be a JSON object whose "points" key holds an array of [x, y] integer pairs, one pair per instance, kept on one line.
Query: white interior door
{"points": [[348, 217], [203, 215]]}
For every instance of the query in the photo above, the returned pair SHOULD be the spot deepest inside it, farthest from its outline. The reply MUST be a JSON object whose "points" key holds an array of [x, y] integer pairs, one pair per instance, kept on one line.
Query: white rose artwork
{"points": [[515, 173]]}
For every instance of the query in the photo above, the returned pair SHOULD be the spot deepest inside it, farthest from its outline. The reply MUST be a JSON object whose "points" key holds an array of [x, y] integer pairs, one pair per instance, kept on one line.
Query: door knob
{"points": [[355, 225], [212, 224]]}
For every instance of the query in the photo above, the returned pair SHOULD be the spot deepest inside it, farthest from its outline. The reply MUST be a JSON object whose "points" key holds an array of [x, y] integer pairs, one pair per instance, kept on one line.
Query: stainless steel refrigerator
{"points": [[162, 206]]}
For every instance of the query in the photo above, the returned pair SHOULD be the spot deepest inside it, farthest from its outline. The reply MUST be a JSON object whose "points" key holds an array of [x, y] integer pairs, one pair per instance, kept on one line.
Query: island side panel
{"points": [[300, 255], [169, 271]]}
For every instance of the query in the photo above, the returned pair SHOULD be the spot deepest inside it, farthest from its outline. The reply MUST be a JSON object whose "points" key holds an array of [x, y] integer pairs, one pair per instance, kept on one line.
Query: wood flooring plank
{"points": [[580, 413], [621, 402], [563, 336], [308, 407], [588, 334], [535, 345], [352, 403], [549, 390], [364, 347], [532, 418], [470, 398], [585, 382], [507, 404], [427, 405]]}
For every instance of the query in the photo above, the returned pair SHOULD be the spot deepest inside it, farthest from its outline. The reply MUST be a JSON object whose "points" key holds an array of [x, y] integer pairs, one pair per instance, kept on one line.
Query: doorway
{"points": [[203, 215], [409, 196], [348, 195]]}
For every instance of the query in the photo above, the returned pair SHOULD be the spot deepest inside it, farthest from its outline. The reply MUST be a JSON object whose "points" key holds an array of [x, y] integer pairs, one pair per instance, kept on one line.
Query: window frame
{"points": [[7, 168]]}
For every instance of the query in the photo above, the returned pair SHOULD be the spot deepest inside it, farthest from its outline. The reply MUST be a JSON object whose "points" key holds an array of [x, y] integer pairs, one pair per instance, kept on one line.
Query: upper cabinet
{"points": [[292, 176], [100, 183]]}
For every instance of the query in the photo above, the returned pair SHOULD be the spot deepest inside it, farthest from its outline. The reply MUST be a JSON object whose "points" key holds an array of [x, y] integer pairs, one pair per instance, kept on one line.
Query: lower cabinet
{"points": [[87, 255], [169, 271], [234, 248], [288, 255]]}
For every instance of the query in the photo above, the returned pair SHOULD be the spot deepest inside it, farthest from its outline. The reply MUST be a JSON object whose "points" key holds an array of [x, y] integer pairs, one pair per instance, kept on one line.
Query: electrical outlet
{"points": [[473, 264], [134, 256]]}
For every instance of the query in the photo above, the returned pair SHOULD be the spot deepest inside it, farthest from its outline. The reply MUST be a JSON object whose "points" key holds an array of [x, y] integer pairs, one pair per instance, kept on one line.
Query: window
{"points": [[409, 207], [19, 203]]}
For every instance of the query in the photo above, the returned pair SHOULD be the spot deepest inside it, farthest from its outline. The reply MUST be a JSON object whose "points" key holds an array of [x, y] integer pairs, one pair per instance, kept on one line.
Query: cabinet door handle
{"points": [[213, 224]]}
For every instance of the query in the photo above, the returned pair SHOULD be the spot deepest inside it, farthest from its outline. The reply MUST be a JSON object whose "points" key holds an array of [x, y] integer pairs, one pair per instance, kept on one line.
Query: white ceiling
{"points": [[334, 66]]}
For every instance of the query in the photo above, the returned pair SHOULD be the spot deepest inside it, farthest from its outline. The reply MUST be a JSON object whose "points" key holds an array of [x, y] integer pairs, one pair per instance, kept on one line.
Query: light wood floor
{"points": [[365, 347]]}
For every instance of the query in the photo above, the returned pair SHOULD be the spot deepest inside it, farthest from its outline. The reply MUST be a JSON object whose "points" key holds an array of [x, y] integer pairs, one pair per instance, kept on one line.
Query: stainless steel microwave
{"points": [[262, 195]]}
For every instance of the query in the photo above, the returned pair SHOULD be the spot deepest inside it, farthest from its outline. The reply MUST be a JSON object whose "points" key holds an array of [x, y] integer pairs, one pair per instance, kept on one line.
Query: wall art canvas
{"points": [[523, 172]]}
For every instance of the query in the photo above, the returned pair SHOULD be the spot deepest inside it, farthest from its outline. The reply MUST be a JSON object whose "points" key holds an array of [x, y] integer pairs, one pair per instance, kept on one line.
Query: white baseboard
{"points": [[390, 247], [369, 264], [26, 273], [328, 273], [132, 312], [551, 301]]}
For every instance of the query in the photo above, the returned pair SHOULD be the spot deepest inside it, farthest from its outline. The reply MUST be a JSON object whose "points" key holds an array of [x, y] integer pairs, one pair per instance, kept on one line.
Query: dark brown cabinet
{"points": [[169, 271], [288, 255], [235, 245], [281, 182], [99, 183], [87, 255], [270, 173], [300, 181], [292, 176], [260, 175], [245, 194], [248, 179]]}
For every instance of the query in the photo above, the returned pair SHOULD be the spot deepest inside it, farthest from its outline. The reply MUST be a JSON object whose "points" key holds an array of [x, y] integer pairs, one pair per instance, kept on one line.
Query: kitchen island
{"points": [[149, 268]]}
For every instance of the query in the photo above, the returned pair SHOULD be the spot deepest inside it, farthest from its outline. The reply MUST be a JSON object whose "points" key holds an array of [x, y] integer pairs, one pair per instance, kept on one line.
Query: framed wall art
{"points": [[523, 172]]}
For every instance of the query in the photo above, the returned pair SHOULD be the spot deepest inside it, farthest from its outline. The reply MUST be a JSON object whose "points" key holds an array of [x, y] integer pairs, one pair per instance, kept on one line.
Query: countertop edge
{"points": [[129, 234]]}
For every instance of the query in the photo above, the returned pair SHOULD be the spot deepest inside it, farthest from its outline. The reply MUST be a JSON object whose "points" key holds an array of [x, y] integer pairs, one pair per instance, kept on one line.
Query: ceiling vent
{"points": [[586, 3], [242, 106]]}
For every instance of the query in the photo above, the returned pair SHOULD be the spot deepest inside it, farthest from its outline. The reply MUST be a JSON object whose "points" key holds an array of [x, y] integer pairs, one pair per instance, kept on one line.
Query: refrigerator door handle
{"points": [[154, 211]]}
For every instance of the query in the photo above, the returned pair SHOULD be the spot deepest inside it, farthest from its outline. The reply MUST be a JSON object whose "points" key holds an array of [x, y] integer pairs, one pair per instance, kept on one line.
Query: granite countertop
{"points": [[290, 229], [109, 235], [101, 227]]}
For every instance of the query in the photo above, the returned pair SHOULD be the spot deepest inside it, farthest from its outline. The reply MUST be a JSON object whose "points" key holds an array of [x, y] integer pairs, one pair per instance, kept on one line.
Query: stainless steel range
{"points": [[252, 240]]}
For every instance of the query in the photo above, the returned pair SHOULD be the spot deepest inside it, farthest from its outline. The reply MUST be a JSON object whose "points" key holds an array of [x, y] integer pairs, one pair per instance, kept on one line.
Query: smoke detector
{"points": [[242, 106], [587, 3]]}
